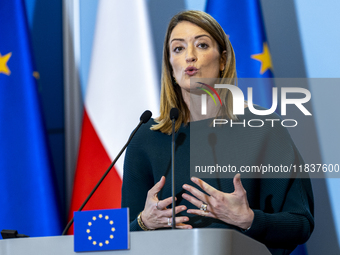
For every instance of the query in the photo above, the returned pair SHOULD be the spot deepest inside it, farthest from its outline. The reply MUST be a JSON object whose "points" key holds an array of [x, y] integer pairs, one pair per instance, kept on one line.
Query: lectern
{"points": [[165, 242]]}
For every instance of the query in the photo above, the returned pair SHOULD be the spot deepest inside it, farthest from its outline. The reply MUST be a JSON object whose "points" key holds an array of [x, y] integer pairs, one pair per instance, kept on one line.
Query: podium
{"points": [[165, 242]]}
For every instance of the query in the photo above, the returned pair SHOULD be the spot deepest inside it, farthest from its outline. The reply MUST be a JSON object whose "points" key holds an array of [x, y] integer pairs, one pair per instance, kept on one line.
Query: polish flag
{"points": [[122, 85]]}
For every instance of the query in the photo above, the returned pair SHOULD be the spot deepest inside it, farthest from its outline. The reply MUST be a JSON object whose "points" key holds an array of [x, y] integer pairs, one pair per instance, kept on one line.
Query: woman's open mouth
{"points": [[190, 70]]}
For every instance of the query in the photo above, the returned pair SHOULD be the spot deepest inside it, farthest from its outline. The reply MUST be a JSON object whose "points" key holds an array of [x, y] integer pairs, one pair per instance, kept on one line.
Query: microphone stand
{"points": [[173, 174], [143, 119], [173, 117]]}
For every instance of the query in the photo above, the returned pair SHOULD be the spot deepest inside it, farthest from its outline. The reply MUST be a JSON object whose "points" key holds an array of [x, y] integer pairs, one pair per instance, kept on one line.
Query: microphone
{"points": [[174, 114], [144, 118], [173, 117]]}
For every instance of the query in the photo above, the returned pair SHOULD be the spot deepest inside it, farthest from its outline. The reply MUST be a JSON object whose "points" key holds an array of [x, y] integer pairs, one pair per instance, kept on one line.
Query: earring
{"points": [[222, 73]]}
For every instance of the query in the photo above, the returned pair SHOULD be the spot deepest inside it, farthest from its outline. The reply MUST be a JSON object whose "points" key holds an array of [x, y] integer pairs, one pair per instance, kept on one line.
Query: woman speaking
{"points": [[277, 212]]}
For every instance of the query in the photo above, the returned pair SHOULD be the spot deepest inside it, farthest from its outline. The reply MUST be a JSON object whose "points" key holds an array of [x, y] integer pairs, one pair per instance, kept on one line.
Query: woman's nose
{"points": [[191, 59], [191, 55]]}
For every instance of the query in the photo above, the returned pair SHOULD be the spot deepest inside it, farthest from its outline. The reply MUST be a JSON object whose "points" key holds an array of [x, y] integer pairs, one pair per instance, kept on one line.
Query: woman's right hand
{"points": [[156, 215]]}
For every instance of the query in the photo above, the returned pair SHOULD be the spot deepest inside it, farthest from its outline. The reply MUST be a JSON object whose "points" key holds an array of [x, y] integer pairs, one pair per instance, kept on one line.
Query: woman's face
{"points": [[194, 54]]}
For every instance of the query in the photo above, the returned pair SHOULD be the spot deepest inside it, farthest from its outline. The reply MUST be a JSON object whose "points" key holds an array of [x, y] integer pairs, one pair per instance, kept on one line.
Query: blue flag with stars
{"points": [[101, 230], [28, 197], [242, 22]]}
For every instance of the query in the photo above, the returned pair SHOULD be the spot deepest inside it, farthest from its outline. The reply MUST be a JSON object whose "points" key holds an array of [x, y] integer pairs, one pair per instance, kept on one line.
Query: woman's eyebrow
{"points": [[177, 39], [196, 37]]}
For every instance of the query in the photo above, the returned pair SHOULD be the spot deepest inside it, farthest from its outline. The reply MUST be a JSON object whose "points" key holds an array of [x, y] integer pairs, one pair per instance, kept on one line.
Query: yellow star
{"points": [[264, 58], [36, 75], [3, 63]]}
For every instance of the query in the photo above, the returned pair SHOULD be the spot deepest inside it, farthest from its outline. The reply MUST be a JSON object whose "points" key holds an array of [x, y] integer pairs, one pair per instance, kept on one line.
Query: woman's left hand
{"points": [[232, 208]]}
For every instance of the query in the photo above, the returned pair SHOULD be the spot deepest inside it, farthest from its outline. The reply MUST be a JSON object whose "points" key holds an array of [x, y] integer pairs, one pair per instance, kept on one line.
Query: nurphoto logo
{"points": [[239, 101]]}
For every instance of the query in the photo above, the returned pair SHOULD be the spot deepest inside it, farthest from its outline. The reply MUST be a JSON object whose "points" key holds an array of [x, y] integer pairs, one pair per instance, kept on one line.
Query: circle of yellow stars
{"points": [[88, 231]]}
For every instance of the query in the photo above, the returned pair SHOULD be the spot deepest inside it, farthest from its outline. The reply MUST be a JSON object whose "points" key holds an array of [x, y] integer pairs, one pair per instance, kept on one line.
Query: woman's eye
{"points": [[203, 45], [178, 49]]}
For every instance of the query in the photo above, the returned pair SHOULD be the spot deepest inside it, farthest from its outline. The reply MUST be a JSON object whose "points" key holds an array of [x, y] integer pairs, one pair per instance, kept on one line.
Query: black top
{"points": [[283, 207]]}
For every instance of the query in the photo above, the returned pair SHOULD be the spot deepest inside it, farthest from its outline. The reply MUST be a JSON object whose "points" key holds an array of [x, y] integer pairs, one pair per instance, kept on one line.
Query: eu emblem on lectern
{"points": [[101, 230]]}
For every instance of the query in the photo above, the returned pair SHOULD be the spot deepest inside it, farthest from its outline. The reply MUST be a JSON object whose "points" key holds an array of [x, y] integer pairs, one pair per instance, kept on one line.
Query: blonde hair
{"points": [[171, 94]]}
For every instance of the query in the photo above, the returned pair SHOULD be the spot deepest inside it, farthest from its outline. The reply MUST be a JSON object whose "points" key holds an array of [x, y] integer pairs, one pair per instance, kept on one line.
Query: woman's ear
{"points": [[223, 60]]}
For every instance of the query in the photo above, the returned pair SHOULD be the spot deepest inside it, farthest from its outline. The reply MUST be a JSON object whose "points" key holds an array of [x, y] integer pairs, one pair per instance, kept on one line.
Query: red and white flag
{"points": [[122, 85]]}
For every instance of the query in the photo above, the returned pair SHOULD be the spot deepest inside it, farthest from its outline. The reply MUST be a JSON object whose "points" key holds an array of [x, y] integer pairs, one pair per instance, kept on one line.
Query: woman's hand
{"points": [[232, 208], [156, 215]]}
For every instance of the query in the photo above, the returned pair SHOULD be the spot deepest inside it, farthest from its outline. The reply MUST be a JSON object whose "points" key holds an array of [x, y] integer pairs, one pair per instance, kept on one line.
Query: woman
{"points": [[276, 212]]}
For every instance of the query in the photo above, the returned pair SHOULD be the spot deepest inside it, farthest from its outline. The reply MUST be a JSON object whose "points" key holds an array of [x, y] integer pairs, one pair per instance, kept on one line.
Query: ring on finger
{"points": [[169, 223], [204, 207]]}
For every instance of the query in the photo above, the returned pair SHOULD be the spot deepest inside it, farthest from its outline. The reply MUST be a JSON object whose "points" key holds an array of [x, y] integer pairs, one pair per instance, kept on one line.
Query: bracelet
{"points": [[245, 230], [141, 223]]}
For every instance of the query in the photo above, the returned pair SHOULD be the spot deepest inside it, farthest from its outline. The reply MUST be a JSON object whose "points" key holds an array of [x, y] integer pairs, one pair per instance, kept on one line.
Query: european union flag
{"points": [[28, 197], [101, 230], [242, 22]]}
